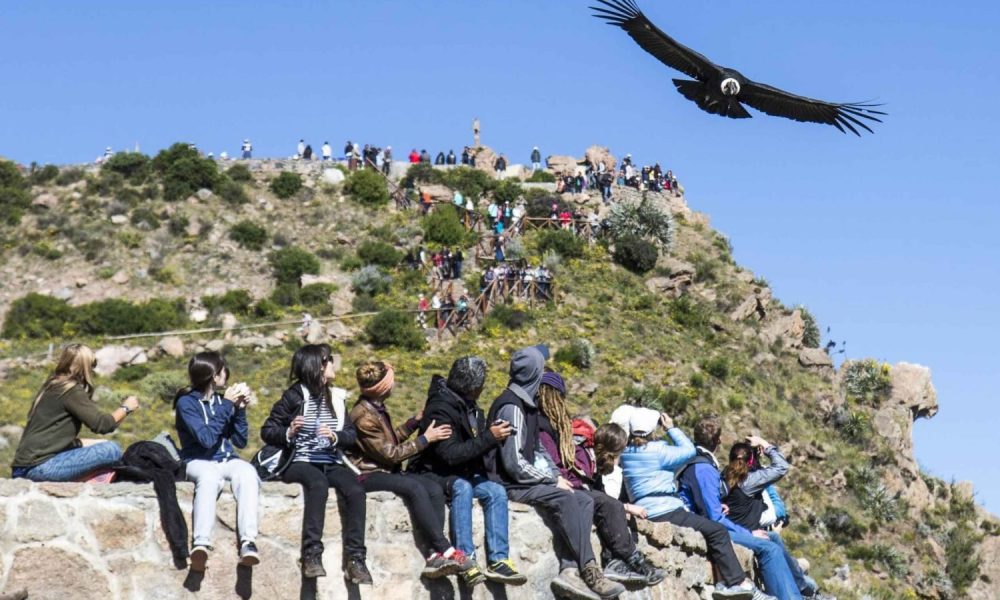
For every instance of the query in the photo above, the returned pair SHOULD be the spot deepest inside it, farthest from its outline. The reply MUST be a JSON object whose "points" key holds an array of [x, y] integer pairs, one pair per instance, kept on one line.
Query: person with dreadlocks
{"points": [[570, 443], [379, 454]]}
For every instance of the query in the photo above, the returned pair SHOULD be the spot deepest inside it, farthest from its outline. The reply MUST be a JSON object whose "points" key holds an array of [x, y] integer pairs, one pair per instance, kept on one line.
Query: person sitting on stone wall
{"points": [[701, 488], [50, 449], [379, 454], [457, 464], [210, 427], [311, 422], [575, 460], [439, 159], [747, 480], [531, 477], [648, 466]]}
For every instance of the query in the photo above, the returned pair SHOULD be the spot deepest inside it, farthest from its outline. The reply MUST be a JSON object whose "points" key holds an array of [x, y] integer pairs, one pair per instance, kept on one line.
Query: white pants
{"points": [[208, 477]]}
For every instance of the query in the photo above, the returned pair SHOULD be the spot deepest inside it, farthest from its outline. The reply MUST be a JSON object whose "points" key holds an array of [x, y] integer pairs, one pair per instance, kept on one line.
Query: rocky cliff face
{"points": [[101, 542]]}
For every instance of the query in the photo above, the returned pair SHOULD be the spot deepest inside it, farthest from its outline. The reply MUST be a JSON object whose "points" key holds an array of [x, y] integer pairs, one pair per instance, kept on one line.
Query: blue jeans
{"points": [[774, 563], [793, 564], [493, 498], [73, 464]]}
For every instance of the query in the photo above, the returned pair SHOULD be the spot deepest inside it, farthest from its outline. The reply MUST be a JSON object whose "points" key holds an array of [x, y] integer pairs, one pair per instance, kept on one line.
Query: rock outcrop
{"points": [[73, 540]]}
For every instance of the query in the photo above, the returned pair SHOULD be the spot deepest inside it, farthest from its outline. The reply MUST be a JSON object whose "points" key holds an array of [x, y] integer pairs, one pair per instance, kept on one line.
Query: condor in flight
{"points": [[719, 90]]}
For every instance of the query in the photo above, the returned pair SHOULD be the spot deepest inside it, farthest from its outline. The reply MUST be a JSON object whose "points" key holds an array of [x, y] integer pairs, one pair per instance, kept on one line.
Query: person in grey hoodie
{"points": [[531, 477]]}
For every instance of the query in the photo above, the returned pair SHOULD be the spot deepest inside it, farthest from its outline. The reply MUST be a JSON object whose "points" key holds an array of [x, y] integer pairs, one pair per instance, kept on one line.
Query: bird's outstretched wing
{"points": [[780, 103], [625, 14]]}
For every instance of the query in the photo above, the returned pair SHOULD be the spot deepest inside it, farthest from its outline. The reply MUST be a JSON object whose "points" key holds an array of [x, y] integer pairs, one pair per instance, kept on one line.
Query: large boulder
{"points": [[332, 176], [815, 358], [563, 164], [110, 358], [600, 154], [172, 346], [485, 157], [788, 328], [754, 305]]}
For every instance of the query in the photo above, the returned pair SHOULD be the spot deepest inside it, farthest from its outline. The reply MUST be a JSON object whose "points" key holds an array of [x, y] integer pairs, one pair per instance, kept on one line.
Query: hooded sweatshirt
{"points": [[522, 460]]}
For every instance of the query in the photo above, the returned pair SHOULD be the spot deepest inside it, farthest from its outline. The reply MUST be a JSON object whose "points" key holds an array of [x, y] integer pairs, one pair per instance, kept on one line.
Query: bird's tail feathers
{"points": [[696, 92]]}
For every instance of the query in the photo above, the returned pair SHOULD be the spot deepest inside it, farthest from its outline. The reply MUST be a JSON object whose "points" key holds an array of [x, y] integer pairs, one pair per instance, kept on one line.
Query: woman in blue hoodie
{"points": [[211, 426], [648, 466]]}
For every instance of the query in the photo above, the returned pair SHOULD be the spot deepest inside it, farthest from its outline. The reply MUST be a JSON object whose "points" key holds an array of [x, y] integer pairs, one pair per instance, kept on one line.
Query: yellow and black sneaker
{"points": [[503, 571]]}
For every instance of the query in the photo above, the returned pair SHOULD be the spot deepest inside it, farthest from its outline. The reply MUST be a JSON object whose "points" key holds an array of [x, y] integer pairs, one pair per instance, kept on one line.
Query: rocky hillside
{"points": [[182, 245]]}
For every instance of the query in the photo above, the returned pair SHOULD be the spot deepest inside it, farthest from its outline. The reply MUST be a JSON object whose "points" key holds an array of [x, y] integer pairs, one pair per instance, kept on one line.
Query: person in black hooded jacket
{"points": [[457, 464]]}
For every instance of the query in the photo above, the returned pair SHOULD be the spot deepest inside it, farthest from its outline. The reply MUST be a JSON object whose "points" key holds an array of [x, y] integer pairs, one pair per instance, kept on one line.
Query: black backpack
{"points": [[271, 461]]}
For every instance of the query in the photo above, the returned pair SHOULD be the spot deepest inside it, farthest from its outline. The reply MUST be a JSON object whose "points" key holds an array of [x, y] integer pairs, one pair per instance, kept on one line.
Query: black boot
{"points": [[638, 563]]}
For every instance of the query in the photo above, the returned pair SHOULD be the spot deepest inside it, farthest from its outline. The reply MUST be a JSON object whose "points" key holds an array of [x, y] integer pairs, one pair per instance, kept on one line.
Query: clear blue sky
{"points": [[890, 239]]}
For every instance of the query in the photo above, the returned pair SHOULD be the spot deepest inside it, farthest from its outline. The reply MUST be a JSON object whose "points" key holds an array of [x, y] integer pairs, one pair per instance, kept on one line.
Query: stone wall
{"points": [[86, 541]]}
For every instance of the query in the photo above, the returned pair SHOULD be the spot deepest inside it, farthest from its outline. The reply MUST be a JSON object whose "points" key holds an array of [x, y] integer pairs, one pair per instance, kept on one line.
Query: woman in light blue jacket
{"points": [[648, 466]]}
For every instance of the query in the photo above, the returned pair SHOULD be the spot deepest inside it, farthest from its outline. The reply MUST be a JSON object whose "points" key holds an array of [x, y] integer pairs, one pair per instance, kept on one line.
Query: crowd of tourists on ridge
{"points": [[524, 446]]}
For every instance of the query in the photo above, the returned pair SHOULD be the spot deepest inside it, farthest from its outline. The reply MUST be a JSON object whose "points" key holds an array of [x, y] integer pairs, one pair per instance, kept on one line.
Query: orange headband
{"points": [[383, 387]]}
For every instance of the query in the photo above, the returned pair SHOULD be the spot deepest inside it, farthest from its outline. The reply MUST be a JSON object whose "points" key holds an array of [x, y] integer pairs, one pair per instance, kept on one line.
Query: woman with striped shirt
{"points": [[311, 421]]}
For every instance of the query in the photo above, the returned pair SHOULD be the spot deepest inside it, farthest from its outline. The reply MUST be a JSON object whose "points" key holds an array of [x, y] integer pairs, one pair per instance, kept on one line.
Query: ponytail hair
{"points": [[202, 369], [609, 442], [739, 464]]}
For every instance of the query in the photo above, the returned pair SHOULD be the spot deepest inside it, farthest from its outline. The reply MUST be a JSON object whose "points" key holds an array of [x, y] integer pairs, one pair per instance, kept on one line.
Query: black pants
{"points": [[720, 547], [612, 524], [316, 480], [423, 496], [573, 514]]}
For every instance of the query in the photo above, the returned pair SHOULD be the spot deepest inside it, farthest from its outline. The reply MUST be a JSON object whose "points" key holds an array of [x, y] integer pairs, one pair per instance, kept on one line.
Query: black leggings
{"points": [[720, 547], [612, 524], [316, 480], [423, 496]]}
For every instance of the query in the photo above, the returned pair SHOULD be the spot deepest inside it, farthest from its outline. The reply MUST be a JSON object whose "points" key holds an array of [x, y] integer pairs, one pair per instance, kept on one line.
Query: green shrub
{"points": [[351, 262], [178, 224], [508, 317], [644, 219], [873, 496], [706, 268], [889, 557], [541, 176], [130, 373], [635, 254], [238, 302], [392, 328], [316, 294], [842, 526], [231, 192], [363, 303], [579, 353], [507, 191], [443, 226], [285, 294], [963, 561], [38, 316], [266, 308], [249, 235], [239, 173], [420, 173], [561, 241], [472, 183], [10, 176], [855, 426], [689, 313], [368, 188], [811, 335], [144, 218], [120, 317], [291, 263], [644, 396], [163, 385], [69, 176], [370, 281], [373, 252], [868, 381], [46, 251], [44, 175], [717, 367], [184, 171], [133, 166], [286, 184], [13, 202]]}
